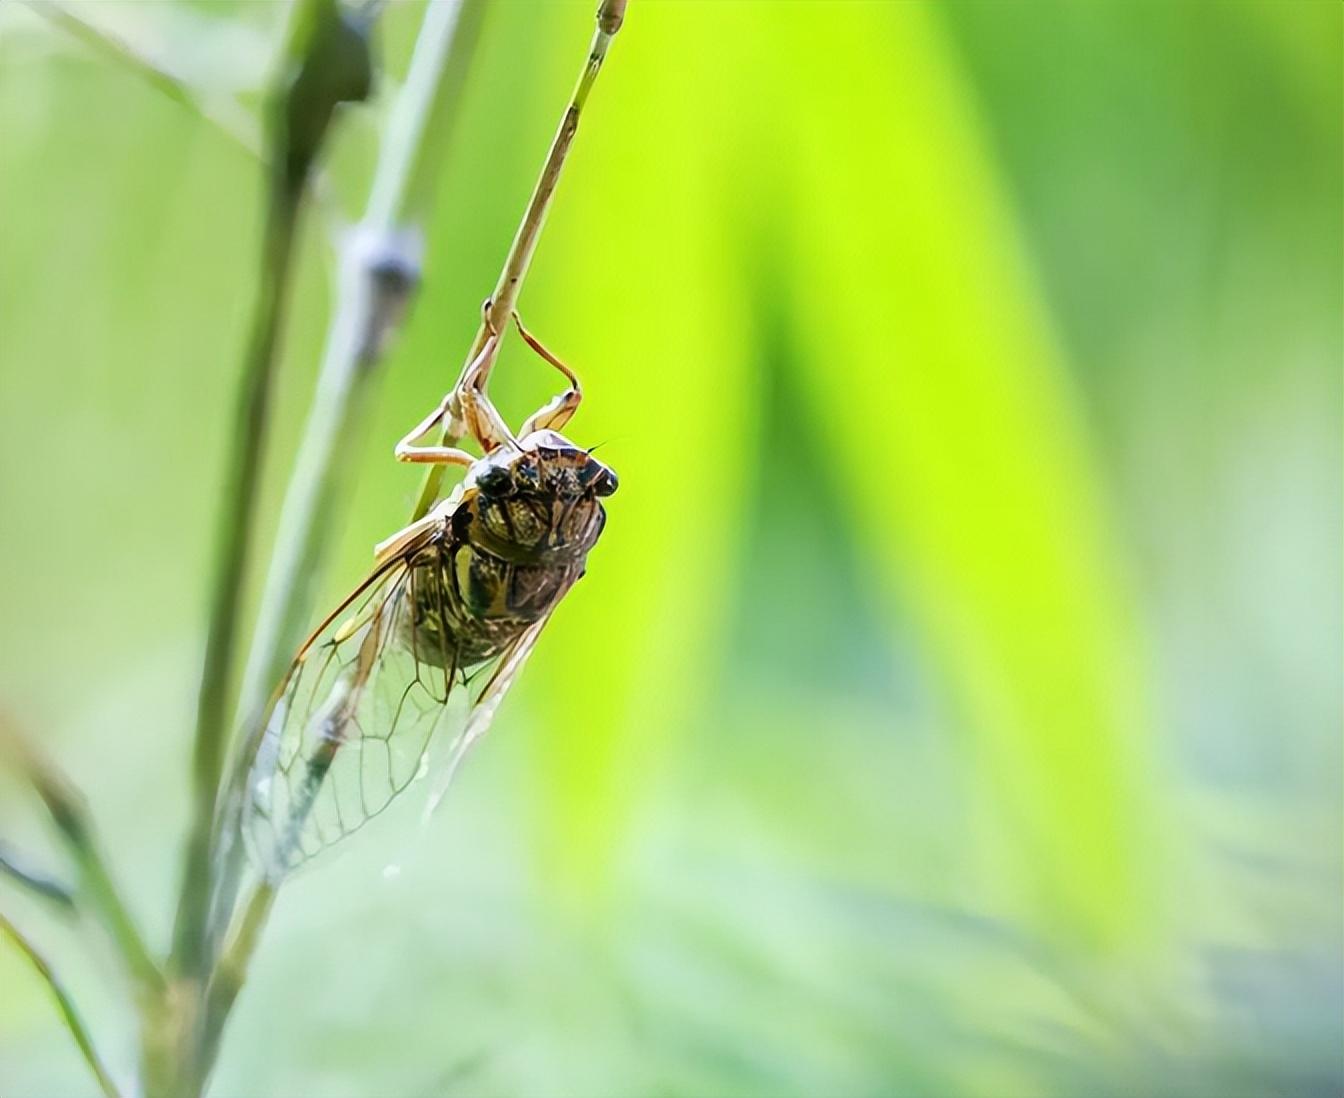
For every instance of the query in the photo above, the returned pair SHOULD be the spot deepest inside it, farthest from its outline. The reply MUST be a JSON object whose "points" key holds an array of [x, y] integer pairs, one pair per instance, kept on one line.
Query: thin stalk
{"points": [[381, 261], [233, 965], [224, 112], [326, 63], [237, 515], [381, 270], [610, 16], [231, 972], [73, 1022]]}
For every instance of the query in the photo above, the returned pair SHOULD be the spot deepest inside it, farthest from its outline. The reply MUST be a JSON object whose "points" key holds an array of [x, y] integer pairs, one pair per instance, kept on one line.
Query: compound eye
{"points": [[494, 481], [605, 483]]}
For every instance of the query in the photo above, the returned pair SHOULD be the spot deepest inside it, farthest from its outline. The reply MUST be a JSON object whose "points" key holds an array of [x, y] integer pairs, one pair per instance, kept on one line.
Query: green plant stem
{"points": [[380, 273], [326, 63], [233, 120], [381, 262], [233, 966], [231, 972], [96, 891], [610, 16], [73, 1022], [238, 513]]}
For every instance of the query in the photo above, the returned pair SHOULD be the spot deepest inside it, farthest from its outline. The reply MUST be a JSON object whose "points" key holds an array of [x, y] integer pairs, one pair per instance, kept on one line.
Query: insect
{"points": [[428, 644]]}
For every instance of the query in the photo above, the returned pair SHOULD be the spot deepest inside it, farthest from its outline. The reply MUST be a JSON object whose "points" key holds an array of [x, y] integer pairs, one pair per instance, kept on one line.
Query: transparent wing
{"points": [[492, 691], [353, 723]]}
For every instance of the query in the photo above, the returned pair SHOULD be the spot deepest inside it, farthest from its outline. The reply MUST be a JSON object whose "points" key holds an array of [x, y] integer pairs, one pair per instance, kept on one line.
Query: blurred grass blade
{"points": [[69, 1013], [941, 391], [667, 397], [223, 112], [964, 459]]}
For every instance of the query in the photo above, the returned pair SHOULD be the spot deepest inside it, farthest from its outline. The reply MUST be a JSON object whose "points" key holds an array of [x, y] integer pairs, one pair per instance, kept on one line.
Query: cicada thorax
{"points": [[499, 566]]}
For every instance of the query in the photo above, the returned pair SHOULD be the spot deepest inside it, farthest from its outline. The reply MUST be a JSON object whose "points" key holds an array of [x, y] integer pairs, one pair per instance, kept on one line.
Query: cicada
{"points": [[424, 649]]}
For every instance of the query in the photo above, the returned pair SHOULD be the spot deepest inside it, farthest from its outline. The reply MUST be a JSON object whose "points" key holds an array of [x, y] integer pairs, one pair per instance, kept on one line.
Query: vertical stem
{"points": [[171, 1025], [610, 16], [380, 275], [403, 185], [237, 517], [381, 271], [231, 971], [326, 63]]}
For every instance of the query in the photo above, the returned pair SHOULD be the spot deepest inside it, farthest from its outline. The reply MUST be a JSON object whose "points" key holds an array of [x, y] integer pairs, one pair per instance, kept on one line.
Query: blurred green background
{"points": [[953, 704]]}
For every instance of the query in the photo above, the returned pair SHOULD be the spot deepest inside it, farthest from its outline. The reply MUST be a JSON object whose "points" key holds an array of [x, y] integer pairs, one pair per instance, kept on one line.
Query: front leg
{"points": [[481, 420], [408, 450]]}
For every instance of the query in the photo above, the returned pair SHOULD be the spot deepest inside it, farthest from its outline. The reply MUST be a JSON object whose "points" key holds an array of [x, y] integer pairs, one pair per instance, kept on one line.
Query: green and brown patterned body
{"points": [[512, 543], [452, 611]]}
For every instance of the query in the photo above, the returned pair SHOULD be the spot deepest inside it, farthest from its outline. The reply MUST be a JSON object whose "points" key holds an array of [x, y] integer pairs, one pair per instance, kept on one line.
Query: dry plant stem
{"points": [[73, 1022], [505, 297]]}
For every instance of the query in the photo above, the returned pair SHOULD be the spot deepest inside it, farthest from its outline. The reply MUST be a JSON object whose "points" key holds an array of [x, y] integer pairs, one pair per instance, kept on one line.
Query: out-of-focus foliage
{"points": [[953, 703]]}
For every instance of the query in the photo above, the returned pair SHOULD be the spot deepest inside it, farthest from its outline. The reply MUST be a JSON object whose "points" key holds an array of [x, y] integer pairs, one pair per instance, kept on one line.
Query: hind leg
{"points": [[558, 411]]}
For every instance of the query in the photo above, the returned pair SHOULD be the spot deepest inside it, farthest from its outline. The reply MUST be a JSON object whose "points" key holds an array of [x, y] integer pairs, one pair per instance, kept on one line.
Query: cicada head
{"points": [[545, 465]]}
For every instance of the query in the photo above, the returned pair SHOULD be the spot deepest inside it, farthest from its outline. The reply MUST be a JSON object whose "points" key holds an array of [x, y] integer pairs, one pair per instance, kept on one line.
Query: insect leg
{"points": [[434, 455], [407, 450], [557, 411], [469, 400], [481, 418], [484, 422]]}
